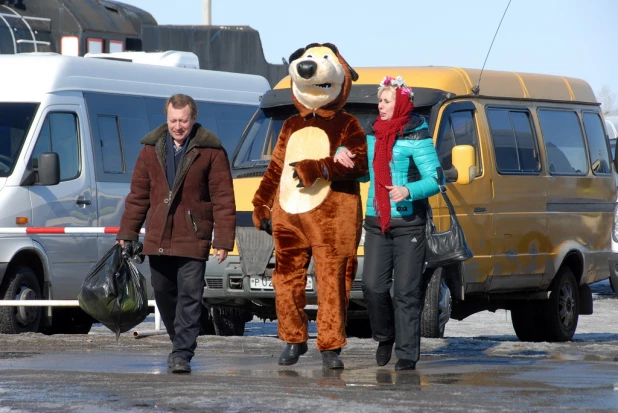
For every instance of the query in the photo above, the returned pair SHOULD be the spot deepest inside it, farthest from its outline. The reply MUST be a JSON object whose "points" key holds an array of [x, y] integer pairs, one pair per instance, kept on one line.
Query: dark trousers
{"points": [[178, 285], [395, 259]]}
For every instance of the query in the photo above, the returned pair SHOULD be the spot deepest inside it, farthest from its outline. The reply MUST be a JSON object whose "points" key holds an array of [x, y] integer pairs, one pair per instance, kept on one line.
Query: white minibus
{"points": [[69, 135]]}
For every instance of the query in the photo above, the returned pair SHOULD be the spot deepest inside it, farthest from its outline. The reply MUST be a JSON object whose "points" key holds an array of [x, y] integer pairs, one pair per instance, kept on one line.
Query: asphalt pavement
{"points": [[479, 366]]}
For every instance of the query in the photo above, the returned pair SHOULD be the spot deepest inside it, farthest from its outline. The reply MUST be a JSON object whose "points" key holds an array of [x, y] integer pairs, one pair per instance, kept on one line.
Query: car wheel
{"points": [[69, 321], [561, 311], [20, 284], [527, 322], [358, 327], [207, 327], [436, 306], [229, 321], [613, 282]]}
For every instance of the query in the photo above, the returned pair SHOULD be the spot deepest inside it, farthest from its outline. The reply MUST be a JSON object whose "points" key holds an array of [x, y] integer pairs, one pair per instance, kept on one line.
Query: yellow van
{"points": [[530, 175]]}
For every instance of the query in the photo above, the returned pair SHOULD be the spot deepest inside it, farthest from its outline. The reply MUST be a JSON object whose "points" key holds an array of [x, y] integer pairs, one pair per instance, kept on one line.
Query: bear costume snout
{"points": [[307, 68]]}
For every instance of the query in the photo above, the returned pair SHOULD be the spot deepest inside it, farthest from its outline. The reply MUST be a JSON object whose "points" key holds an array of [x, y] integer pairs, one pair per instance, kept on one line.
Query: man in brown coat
{"points": [[182, 186]]}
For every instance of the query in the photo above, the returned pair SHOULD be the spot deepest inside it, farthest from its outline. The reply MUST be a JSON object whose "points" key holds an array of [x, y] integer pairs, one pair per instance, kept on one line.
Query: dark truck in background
{"points": [[103, 26]]}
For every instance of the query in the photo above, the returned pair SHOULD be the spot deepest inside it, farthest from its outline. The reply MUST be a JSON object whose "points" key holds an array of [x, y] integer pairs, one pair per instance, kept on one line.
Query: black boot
{"points": [[292, 353], [403, 364], [384, 352], [331, 360], [180, 366]]}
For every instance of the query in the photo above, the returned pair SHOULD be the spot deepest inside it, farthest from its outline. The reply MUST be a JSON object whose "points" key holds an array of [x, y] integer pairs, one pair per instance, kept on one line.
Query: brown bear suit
{"points": [[314, 202]]}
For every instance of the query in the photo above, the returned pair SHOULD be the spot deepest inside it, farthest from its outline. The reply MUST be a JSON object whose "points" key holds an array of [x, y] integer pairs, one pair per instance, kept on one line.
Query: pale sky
{"points": [[573, 38]]}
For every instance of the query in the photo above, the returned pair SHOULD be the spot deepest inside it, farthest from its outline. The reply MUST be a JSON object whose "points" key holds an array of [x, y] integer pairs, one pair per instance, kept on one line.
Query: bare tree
{"points": [[608, 101]]}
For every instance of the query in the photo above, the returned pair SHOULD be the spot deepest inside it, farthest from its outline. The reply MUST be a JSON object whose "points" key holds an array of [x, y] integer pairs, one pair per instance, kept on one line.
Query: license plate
{"points": [[265, 283]]}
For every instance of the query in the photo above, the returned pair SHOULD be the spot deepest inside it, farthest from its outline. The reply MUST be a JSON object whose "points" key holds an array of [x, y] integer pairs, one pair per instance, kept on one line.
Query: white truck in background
{"points": [[69, 136]]}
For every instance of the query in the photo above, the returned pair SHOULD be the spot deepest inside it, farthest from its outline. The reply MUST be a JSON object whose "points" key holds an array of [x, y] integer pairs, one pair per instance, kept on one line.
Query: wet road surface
{"points": [[480, 366]]}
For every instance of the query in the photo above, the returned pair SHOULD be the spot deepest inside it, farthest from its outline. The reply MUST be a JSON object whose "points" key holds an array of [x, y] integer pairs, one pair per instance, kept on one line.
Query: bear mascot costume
{"points": [[313, 203]]}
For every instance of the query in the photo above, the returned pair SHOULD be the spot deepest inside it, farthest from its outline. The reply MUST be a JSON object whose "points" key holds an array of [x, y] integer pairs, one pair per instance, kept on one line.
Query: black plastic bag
{"points": [[114, 291]]}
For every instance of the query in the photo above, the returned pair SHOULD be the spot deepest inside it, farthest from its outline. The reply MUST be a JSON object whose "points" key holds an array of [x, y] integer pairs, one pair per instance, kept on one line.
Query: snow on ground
{"points": [[493, 334]]}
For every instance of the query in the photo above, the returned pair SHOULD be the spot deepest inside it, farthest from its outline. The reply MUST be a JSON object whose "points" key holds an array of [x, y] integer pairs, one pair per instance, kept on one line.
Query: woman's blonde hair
{"points": [[382, 89]]}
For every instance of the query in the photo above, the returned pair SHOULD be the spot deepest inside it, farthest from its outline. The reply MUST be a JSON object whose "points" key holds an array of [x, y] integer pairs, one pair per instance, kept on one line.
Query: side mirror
{"points": [[464, 160], [48, 169]]}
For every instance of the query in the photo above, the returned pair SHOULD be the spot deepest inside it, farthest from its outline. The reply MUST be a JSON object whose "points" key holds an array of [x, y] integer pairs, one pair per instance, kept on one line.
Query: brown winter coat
{"points": [[180, 222]]}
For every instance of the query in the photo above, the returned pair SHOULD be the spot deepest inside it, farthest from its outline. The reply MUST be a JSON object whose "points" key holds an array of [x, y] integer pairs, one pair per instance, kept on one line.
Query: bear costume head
{"points": [[321, 79]]}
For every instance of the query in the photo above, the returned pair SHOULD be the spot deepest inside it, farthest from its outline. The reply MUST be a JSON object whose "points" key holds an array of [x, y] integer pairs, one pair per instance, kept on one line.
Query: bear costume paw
{"points": [[308, 171], [261, 218]]}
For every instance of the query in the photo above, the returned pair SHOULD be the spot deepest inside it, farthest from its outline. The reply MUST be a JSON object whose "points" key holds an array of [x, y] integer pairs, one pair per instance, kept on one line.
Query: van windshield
{"points": [[260, 138], [15, 121]]}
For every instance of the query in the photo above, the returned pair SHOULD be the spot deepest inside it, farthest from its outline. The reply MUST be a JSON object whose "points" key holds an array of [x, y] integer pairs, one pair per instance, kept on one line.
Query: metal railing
{"points": [[72, 303], [5, 17]]}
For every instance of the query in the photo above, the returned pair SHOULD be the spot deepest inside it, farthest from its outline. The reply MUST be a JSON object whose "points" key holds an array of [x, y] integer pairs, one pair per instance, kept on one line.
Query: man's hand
{"points": [[307, 172], [132, 250], [222, 254]]}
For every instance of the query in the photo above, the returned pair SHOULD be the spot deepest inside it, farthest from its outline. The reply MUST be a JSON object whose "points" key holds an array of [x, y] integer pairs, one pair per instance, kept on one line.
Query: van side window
{"points": [[231, 122], [117, 124], [156, 113], [597, 144], [225, 120], [111, 146], [155, 107], [459, 129], [59, 134], [564, 142], [513, 139]]}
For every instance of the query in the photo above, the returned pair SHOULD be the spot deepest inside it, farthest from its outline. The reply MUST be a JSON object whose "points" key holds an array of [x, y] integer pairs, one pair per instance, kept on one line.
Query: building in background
{"points": [[77, 27]]}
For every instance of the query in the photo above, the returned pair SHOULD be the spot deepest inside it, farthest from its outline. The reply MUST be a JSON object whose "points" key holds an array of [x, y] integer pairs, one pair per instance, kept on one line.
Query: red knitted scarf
{"points": [[385, 133]]}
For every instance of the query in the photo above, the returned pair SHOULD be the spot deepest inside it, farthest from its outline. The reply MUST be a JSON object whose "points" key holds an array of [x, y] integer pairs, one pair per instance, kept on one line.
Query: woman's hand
{"points": [[345, 157], [398, 193]]}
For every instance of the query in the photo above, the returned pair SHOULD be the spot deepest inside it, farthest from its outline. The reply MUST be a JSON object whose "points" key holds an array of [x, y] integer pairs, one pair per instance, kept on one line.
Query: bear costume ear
{"points": [[297, 54], [332, 47], [302, 50], [353, 73]]}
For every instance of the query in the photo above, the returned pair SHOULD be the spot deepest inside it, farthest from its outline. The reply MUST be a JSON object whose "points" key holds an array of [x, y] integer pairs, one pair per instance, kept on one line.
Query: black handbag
{"points": [[448, 247]]}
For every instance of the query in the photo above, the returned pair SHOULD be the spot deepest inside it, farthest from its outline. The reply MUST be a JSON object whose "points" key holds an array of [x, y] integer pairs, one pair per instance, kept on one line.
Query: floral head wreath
{"points": [[397, 82]]}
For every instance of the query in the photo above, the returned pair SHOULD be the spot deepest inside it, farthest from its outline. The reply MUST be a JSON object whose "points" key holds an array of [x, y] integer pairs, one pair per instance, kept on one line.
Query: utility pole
{"points": [[207, 12]]}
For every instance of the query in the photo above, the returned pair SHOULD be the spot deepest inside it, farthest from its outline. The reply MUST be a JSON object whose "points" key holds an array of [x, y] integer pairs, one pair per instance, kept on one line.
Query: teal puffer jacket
{"points": [[413, 165]]}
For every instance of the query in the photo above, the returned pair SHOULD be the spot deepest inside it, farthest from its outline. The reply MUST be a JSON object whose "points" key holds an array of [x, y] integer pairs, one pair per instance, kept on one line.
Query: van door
{"points": [[472, 202], [521, 246], [71, 203], [581, 194]]}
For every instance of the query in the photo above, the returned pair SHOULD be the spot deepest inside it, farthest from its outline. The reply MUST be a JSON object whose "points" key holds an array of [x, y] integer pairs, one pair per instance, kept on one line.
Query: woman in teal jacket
{"points": [[402, 175]]}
